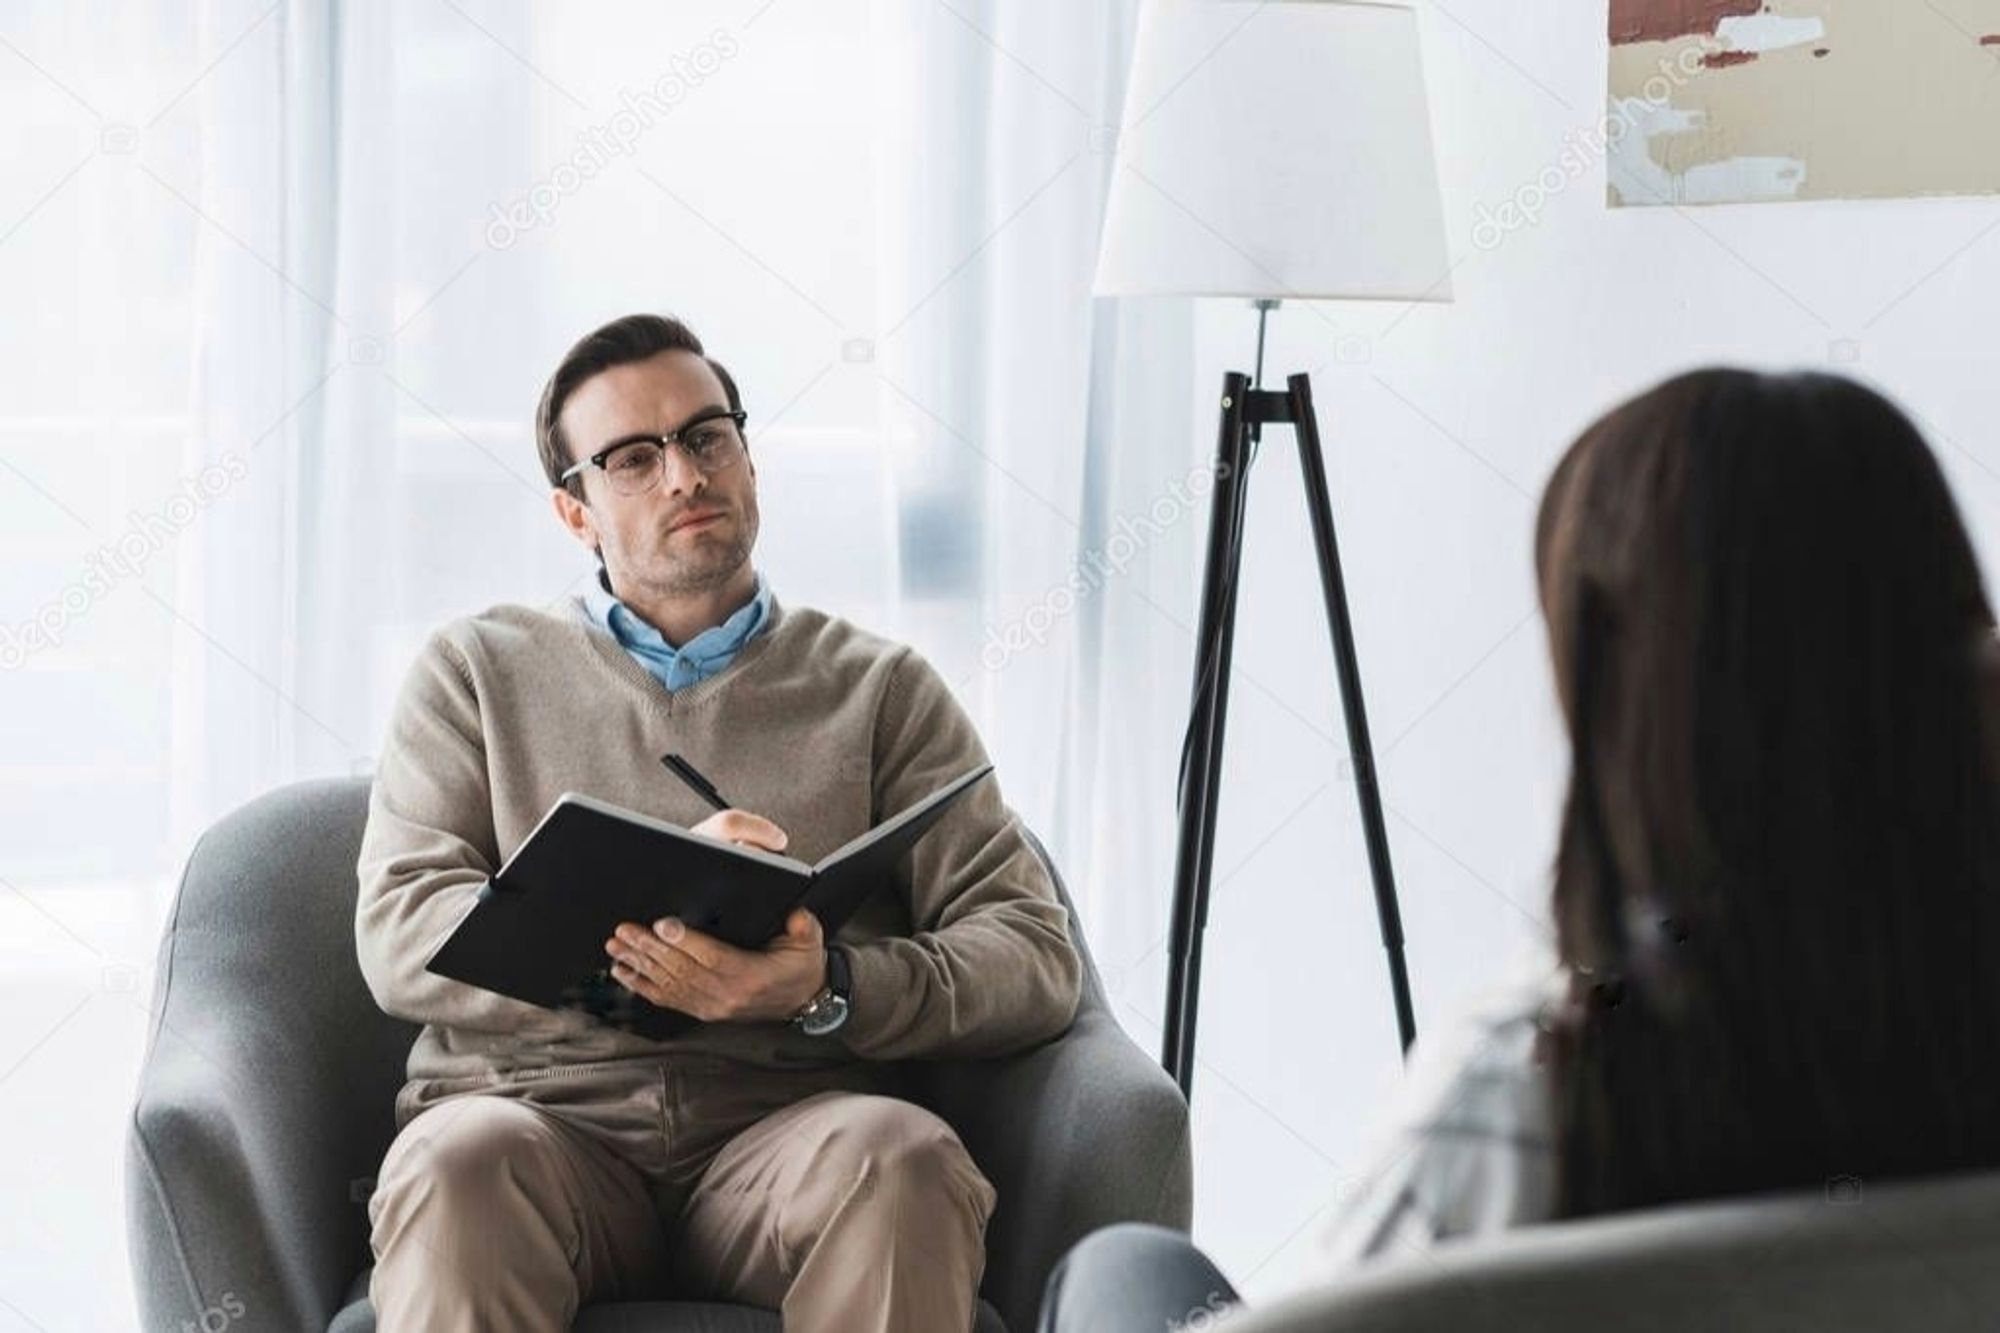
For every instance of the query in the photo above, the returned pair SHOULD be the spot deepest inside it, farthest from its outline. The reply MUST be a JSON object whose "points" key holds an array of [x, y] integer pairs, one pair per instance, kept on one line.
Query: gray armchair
{"points": [[1855, 1257], [264, 1105]]}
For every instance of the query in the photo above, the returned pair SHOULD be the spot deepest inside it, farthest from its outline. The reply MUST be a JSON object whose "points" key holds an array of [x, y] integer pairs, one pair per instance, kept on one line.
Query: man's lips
{"points": [[687, 520]]}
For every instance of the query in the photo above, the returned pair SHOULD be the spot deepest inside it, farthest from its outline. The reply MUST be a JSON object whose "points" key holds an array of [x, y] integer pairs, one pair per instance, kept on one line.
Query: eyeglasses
{"points": [[713, 440]]}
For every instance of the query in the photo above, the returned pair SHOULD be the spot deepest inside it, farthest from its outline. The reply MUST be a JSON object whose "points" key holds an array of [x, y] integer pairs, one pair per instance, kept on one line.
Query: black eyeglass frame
{"points": [[702, 418]]}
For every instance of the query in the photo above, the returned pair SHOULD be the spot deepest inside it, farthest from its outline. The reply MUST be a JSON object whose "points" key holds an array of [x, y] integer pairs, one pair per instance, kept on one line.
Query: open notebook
{"points": [[537, 931]]}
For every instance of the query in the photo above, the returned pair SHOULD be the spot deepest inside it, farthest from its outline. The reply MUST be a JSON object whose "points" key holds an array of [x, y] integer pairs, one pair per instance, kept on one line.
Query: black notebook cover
{"points": [[537, 931]]}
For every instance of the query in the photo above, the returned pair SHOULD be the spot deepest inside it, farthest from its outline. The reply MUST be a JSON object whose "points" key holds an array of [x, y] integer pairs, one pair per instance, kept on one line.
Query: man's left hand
{"points": [[675, 967]]}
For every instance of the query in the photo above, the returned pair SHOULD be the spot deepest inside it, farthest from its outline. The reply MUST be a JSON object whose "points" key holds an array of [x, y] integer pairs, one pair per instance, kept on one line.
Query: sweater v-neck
{"points": [[611, 654]]}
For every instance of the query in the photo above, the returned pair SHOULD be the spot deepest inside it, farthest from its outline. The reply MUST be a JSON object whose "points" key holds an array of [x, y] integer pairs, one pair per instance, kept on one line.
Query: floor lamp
{"points": [[1276, 151]]}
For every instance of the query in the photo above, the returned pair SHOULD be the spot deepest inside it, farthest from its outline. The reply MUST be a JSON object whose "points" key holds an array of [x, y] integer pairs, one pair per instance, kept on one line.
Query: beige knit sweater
{"points": [[817, 724]]}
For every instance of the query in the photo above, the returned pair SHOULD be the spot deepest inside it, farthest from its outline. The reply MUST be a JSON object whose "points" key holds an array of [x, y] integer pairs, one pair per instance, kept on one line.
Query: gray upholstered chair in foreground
{"points": [[1856, 1257], [265, 1103]]}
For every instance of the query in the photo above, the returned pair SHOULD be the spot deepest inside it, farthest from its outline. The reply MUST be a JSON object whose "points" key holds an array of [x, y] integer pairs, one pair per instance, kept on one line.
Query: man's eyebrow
{"points": [[713, 409]]}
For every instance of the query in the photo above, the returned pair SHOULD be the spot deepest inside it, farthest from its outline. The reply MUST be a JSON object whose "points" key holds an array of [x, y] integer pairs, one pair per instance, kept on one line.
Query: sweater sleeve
{"points": [[989, 968], [428, 847]]}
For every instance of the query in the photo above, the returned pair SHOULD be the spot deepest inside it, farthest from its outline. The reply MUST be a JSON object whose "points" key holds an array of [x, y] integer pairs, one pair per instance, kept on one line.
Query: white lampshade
{"points": [[1280, 149]]}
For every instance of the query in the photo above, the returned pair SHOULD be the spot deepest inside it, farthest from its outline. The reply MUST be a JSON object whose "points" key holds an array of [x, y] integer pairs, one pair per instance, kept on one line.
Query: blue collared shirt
{"points": [[700, 657]]}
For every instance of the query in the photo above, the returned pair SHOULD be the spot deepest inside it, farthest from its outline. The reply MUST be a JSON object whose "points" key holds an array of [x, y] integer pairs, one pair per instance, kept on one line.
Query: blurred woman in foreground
{"points": [[1777, 879]]}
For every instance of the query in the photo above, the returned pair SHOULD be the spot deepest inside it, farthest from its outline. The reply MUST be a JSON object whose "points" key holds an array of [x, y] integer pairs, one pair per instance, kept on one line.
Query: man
{"points": [[545, 1159]]}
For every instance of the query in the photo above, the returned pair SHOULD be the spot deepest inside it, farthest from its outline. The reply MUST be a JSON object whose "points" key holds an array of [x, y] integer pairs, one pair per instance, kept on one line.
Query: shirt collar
{"points": [[638, 635]]}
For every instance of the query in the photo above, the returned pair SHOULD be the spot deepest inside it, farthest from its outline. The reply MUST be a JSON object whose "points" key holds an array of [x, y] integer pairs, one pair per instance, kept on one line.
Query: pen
{"points": [[689, 774]]}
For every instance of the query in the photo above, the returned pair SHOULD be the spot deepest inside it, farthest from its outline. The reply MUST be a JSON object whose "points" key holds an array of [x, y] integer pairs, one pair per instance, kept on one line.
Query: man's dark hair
{"points": [[621, 342]]}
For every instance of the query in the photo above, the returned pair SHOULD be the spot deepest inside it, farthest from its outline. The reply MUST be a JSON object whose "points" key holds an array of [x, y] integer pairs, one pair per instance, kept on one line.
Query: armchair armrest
{"points": [[238, 1191], [1076, 1134], [231, 1210], [266, 1096]]}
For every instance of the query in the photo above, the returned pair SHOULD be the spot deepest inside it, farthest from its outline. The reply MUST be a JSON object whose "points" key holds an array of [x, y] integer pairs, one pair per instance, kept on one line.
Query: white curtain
{"points": [[264, 372], [1051, 498], [373, 502]]}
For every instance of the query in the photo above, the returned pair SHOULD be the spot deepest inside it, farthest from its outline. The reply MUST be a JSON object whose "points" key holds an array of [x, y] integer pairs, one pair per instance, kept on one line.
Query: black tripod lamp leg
{"points": [[1202, 753], [1366, 788]]}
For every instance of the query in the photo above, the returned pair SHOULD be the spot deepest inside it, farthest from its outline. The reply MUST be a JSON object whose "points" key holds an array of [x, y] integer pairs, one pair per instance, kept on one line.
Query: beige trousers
{"points": [[505, 1204]]}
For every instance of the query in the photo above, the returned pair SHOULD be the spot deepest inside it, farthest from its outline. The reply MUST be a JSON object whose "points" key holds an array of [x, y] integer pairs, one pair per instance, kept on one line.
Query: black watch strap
{"points": [[839, 976]]}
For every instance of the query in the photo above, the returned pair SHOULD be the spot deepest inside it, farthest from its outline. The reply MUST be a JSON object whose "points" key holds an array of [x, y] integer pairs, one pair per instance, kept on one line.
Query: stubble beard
{"points": [[699, 564]]}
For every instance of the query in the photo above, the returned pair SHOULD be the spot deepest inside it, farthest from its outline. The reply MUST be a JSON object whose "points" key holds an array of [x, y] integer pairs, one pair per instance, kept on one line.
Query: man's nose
{"points": [[679, 474]]}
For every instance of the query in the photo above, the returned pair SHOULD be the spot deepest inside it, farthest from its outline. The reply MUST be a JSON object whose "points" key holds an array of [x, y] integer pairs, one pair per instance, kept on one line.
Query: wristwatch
{"points": [[826, 1011]]}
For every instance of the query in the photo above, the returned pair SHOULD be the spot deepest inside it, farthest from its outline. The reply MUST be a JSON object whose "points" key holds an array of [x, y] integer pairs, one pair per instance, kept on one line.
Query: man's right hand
{"points": [[740, 826], [674, 966]]}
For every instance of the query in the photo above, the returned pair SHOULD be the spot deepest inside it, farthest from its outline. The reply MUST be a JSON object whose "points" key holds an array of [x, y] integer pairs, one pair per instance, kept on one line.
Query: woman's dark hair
{"points": [[1776, 875], [621, 342]]}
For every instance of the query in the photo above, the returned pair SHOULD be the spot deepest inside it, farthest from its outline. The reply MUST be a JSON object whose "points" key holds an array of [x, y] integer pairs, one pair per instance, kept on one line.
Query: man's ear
{"points": [[575, 515]]}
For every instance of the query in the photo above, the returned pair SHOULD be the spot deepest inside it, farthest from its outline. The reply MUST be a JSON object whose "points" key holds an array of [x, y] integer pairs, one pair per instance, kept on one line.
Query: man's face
{"points": [[644, 549]]}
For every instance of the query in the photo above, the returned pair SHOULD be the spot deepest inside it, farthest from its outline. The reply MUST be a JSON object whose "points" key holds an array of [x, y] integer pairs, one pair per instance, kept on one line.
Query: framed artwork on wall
{"points": [[1740, 101]]}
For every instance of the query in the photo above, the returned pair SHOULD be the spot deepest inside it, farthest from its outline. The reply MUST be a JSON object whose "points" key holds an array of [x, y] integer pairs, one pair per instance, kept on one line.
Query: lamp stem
{"points": [[1264, 306]]}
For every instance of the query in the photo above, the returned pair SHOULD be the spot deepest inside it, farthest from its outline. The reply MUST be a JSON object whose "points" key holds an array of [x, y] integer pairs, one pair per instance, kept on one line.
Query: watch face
{"points": [[825, 1017]]}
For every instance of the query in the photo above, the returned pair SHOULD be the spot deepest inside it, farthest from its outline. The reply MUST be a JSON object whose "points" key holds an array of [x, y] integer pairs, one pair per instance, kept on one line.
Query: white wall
{"points": [[1441, 426]]}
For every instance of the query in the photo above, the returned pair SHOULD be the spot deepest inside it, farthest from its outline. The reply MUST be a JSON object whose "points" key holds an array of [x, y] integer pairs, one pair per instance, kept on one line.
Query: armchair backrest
{"points": [[1853, 1257], [264, 925]]}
